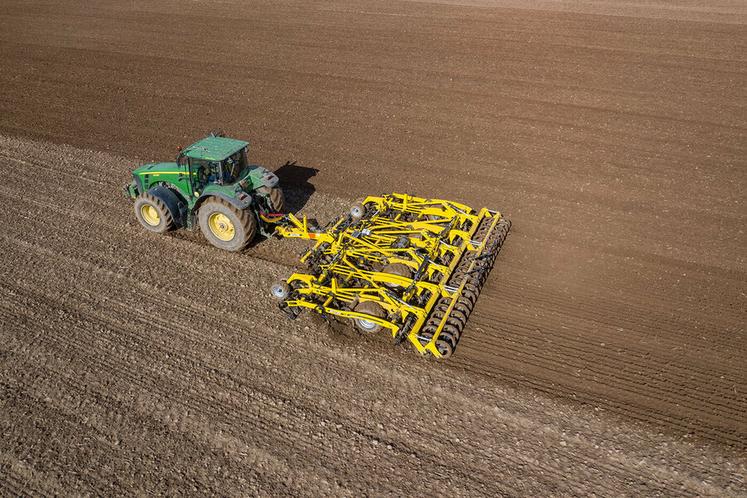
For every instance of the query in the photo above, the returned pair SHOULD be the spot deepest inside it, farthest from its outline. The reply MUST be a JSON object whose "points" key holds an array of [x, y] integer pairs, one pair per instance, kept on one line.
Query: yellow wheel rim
{"points": [[221, 226], [150, 215]]}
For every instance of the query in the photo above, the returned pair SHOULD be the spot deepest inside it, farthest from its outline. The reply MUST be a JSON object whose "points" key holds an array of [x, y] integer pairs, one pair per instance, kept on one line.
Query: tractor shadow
{"points": [[294, 180]]}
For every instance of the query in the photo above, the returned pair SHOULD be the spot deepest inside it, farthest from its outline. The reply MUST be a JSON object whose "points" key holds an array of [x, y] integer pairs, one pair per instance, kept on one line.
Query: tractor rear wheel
{"points": [[226, 227], [153, 214], [276, 200]]}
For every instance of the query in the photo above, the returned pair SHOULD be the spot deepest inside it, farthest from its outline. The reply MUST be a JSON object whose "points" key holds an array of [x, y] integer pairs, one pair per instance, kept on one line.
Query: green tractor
{"points": [[211, 184]]}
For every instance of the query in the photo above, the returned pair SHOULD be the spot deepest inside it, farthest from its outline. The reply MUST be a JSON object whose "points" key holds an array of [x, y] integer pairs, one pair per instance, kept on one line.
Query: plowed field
{"points": [[607, 353]]}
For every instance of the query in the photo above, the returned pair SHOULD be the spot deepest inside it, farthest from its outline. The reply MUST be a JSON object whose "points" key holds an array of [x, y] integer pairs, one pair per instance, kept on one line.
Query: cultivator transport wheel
{"points": [[399, 269], [153, 214], [408, 265], [226, 227], [370, 311], [280, 291]]}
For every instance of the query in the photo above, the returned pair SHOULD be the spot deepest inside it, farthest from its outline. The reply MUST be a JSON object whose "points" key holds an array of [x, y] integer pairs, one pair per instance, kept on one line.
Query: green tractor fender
{"points": [[241, 204], [269, 179], [175, 204]]}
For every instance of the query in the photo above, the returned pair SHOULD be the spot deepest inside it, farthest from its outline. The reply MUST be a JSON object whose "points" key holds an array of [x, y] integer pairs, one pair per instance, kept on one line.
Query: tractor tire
{"points": [[276, 200], [153, 214], [370, 308], [226, 227]]}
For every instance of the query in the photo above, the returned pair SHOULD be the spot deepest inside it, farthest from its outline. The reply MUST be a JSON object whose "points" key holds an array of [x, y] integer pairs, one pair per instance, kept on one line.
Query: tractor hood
{"points": [[157, 168], [251, 178]]}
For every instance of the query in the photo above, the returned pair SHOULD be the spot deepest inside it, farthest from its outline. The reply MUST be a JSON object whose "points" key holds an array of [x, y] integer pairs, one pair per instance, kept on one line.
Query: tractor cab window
{"points": [[233, 166], [206, 171]]}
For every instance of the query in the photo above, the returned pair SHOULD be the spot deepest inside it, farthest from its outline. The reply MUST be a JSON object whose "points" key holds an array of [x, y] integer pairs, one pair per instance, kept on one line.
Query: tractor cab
{"points": [[215, 159]]}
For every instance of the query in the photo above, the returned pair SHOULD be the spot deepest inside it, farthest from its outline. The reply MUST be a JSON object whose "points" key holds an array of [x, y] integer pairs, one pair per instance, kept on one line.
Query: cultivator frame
{"points": [[410, 265]]}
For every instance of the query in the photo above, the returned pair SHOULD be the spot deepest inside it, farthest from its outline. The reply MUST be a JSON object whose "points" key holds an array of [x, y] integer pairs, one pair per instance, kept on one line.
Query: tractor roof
{"points": [[214, 148]]}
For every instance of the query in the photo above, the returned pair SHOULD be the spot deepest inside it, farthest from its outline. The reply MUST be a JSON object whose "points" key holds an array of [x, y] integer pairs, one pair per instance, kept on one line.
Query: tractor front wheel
{"points": [[226, 227], [153, 214]]}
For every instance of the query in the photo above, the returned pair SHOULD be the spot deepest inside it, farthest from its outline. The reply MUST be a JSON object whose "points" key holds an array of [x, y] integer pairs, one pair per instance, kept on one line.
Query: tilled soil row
{"points": [[152, 363], [615, 144], [684, 385], [608, 346]]}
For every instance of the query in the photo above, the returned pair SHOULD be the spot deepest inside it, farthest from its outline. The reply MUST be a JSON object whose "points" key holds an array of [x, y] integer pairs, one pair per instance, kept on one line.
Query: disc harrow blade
{"points": [[449, 316]]}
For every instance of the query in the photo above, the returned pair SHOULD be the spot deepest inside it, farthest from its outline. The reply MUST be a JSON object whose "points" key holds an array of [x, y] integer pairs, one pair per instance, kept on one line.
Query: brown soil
{"points": [[606, 354]]}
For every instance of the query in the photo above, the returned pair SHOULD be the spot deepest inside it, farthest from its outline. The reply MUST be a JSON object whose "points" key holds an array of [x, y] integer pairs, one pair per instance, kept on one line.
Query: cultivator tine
{"points": [[409, 265]]}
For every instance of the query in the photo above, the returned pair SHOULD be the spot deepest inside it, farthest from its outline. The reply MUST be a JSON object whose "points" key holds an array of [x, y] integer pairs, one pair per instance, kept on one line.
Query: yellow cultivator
{"points": [[409, 265]]}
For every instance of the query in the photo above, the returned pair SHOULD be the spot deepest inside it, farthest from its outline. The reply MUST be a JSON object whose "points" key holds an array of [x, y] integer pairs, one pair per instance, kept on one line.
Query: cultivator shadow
{"points": [[405, 264]]}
